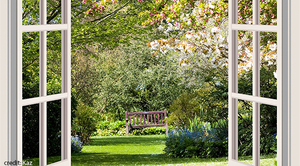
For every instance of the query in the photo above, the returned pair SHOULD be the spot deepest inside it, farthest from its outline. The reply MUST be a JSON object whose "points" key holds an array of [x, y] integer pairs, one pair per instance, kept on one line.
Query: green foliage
{"points": [[118, 128], [103, 125], [85, 122], [182, 109], [268, 143], [149, 131], [209, 103], [132, 80], [117, 125]]}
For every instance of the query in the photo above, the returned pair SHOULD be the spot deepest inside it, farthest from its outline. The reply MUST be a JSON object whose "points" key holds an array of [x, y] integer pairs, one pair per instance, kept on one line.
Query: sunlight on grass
{"points": [[141, 151]]}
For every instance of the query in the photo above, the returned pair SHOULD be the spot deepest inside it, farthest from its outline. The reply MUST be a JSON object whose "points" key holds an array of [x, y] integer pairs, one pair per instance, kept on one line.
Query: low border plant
{"points": [[199, 140], [118, 128], [76, 144]]}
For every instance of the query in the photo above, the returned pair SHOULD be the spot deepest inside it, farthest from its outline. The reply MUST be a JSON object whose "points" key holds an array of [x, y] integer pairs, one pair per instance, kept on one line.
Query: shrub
{"points": [[85, 122], [117, 125], [118, 128], [149, 131], [203, 141], [182, 109], [76, 144], [103, 125]]}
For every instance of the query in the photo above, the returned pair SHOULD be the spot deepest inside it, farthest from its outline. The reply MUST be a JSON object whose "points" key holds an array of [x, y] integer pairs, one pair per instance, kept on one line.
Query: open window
{"points": [[252, 25], [64, 96]]}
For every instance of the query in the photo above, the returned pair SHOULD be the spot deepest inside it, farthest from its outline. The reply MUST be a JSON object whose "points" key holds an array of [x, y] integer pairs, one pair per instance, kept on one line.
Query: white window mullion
{"points": [[261, 100], [233, 82], [19, 83], [43, 86], [283, 83], [66, 81], [256, 84], [42, 99], [247, 27], [48, 27]]}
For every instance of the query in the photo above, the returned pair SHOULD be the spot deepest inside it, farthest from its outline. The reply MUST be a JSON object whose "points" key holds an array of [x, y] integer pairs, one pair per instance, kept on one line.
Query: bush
{"points": [[85, 122], [118, 128], [117, 125], [76, 144], [103, 125], [149, 131], [203, 141]]}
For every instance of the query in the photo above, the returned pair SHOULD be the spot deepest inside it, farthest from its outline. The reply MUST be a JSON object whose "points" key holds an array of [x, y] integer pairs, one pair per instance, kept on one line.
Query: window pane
{"points": [[268, 134], [30, 66], [268, 68], [245, 120], [268, 12], [53, 131], [30, 12], [245, 12], [245, 51], [53, 62], [31, 134], [53, 11]]}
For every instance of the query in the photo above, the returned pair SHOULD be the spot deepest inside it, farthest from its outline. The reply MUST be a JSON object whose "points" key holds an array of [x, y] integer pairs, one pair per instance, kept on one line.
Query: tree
{"points": [[131, 80]]}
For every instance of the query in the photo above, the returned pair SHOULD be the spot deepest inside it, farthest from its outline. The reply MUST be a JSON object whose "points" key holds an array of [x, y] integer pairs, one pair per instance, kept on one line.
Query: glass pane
{"points": [[268, 135], [245, 51], [53, 131], [31, 134], [245, 131], [30, 12], [268, 12], [30, 66], [268, 69], [53, 11], [53, 62], [245, 12]]}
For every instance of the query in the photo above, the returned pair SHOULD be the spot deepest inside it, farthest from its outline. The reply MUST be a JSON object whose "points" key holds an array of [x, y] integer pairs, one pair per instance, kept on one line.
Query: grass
{"points": [[140, 150]]}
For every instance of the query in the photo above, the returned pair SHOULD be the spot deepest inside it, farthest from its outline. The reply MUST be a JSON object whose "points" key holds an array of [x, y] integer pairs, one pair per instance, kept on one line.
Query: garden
{"points": [[142, 56]]}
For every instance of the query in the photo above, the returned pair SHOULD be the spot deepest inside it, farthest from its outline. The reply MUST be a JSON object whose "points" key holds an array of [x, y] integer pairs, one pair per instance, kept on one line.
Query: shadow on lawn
{"points": [[113, 141], [130, 159]]}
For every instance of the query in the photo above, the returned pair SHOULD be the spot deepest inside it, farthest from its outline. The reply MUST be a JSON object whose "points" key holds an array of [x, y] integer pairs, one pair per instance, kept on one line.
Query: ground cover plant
{"points": [[118, 128], [201, 139], [140, 150]]}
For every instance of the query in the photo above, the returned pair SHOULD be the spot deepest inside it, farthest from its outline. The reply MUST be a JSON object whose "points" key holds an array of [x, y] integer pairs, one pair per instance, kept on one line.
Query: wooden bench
{"points": [[146, 119]]}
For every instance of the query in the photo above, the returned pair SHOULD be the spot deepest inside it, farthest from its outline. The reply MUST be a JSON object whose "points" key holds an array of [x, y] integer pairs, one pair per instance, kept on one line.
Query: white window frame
{"points": [[64, 96], [234, 96], [288, 113]]}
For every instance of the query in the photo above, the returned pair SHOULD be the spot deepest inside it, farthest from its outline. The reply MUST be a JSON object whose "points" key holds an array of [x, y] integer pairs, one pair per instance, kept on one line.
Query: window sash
{"points": [[43, 98], [234, 96]]}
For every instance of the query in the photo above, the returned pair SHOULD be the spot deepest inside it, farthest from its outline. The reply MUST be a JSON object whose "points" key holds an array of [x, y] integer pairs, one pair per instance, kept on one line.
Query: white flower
{"points": [[215, 29], [273, 47], [154, 45], [189, 35], [160, 27], [168, 47], [211, 6]]}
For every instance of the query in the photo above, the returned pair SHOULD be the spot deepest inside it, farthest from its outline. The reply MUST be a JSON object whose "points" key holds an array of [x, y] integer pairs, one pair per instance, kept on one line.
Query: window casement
{"points": [[256, 99], [43, 98]]}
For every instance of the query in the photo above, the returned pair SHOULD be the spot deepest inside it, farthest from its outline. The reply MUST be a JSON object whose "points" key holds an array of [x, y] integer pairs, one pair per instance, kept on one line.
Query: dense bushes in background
{"points": [[204, 139], [118, 128]]}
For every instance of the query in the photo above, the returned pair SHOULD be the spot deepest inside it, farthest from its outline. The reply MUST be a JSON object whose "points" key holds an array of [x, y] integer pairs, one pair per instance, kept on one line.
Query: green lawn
{"points": [[139, 150]]}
